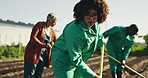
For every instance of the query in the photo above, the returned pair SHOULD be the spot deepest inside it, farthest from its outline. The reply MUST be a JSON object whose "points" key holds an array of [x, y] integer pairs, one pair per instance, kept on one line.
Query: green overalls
{"points": [[73, 48], [118, 46]]}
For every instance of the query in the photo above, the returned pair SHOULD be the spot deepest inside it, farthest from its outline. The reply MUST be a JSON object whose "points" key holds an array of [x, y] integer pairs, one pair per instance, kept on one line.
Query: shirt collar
{"points": [[85, 27]]}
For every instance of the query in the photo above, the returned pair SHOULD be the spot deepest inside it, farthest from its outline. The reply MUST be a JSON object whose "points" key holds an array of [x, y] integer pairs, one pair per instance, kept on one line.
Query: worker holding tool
{"points": [[79, 40], [120, 41]]}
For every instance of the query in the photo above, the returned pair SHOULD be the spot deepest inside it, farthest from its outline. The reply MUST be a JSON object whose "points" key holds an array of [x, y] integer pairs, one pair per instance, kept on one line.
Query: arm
{"points": [[75, 46], [100, 41], [110, 31], [34, 34], [75, 43], [99, 44], [53, 36], [126, 51]]}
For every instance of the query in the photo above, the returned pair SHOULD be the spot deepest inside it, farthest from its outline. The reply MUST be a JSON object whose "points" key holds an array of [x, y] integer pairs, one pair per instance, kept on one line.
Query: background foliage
{"points": [[12, 51], [146, 39], [140, 49], [17, 50]]}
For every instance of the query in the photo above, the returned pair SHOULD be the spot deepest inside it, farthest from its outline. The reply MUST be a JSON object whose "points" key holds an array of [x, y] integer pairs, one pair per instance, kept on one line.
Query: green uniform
{"points": [[73, 48], [118, 45]]}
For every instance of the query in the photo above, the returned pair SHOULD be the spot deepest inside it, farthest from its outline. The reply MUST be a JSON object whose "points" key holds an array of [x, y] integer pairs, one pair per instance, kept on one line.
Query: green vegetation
{"points": [[139, 49], [12, 51], [17, 51], [146, 39]]}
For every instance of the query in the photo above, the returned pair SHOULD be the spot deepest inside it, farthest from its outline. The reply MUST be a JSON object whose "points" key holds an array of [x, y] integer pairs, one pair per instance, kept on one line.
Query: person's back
{"points": [[120, 41], [118, 38]]}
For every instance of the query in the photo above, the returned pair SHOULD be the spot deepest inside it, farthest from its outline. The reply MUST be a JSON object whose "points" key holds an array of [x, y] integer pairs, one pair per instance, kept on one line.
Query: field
{"points": [[13, 68]]}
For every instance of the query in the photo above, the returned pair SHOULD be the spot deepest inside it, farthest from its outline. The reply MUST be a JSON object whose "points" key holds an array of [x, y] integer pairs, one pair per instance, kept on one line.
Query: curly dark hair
{"points": [[83, 7]]}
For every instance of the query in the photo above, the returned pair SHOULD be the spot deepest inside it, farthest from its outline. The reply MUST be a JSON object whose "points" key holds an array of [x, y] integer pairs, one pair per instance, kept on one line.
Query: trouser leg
{"points": [[77, 74], [113, 67], [113, 74], [29, 70], [120, 67], [112, 63], [119, 71], [40, 65], [119, 74], [39, 69]]}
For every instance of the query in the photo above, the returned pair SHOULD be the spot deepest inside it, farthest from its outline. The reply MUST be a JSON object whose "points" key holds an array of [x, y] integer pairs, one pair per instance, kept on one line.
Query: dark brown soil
{"points": [[13, 68]]}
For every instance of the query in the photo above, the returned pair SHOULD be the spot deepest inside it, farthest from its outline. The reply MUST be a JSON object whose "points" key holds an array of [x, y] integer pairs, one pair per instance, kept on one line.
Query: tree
{"points": [[146, 39]]}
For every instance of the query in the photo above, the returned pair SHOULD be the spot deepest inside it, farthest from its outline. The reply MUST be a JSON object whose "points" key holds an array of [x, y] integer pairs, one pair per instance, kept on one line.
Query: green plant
{"points": [[146, 39], [139, 49], [12, 51]]}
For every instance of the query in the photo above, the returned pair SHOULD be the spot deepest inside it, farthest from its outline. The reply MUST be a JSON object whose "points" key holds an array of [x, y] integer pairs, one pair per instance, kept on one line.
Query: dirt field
{"points": [[13, 68]]}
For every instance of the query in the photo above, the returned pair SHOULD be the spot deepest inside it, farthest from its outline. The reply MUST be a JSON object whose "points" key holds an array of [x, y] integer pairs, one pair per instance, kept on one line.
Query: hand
{"points": [[49, 45], [96, 76], [123, 62], [44, 46], [98, 49]]}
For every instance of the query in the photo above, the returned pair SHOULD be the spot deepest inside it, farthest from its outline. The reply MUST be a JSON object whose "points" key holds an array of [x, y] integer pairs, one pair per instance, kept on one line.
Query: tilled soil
{"points": [[13, 68]]}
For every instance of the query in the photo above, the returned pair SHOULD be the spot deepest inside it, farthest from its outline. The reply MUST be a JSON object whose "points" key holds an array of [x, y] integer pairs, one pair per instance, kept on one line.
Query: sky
{"points": [[121, 12]]}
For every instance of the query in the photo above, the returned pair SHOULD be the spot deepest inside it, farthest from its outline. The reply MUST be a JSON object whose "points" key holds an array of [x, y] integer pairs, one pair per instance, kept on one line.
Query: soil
{"points": [[13, 68]]}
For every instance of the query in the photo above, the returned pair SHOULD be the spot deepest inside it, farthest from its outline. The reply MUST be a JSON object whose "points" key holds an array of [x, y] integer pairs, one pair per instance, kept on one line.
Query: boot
{"points": [[119, 74], [113, 74]]}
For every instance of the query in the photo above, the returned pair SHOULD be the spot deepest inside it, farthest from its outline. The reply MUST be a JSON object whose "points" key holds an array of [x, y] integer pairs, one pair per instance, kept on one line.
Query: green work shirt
{"points": [[118, 40], [76, 45]]}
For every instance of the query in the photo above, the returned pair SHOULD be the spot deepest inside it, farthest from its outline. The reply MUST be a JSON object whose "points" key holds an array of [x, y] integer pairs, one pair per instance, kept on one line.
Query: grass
{"points": [[139, 49]]}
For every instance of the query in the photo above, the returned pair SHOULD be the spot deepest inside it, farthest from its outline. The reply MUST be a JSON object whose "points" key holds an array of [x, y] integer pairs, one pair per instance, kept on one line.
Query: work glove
{"points": [[123, 62], [96, 76]]}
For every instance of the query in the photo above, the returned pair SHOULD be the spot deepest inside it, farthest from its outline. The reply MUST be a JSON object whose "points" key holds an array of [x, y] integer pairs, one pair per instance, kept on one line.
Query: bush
{"points": [[12, 51], [139, 49], [146, 39]]}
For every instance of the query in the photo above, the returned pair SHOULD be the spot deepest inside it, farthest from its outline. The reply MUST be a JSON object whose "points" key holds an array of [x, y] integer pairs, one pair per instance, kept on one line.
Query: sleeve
{"points": [[75, 46], [110, 31], [127, 50], [100, 38], [100, 41], [34, 34]]}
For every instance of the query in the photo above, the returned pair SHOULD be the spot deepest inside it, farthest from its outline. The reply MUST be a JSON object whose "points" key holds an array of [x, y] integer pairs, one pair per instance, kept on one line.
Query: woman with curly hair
{"points": [[79, 40]]}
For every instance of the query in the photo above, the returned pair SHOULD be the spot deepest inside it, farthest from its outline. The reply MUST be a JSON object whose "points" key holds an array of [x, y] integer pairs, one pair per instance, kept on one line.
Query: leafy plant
{"points": [[12, 51], [146, 39], [139, 49]]}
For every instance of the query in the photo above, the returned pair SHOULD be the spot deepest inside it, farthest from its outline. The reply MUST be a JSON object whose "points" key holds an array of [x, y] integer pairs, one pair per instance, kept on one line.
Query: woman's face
{"points": [[51, 23], [91, 17]]}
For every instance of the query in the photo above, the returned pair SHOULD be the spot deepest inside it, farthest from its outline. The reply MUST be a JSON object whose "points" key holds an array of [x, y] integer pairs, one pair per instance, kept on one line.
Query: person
{"points": [[119, 43], [38, 49], [79, 40]]}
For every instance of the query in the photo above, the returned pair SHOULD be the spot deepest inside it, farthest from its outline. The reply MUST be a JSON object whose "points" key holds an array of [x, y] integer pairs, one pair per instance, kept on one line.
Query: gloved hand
{"points": [[98, 49], [96, 76], [104, 40], [49, 45], [123, 62]]}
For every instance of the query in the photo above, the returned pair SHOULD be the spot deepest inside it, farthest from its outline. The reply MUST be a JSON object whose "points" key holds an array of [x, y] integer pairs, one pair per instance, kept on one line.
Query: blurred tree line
{"points": [[146, 39], [17, 50], [12, 51], [140, 49]]}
